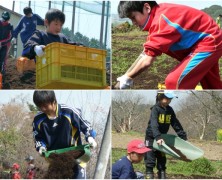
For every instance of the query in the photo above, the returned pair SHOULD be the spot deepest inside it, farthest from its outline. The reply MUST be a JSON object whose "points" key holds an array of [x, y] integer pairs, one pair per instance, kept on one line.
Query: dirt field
{"points": [[212, 149], [125, 50], [149, 78], [27, 80], [14, 80]]}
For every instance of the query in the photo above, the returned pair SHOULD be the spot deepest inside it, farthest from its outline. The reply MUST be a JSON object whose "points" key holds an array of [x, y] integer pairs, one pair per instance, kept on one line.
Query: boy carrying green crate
{"points": [[54, 20], [57, 126]]}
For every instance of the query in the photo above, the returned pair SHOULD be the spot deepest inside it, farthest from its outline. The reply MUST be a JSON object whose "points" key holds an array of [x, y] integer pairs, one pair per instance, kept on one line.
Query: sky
{"points": [[196, 4], [86, 23], [149, 96], [91, 102]]}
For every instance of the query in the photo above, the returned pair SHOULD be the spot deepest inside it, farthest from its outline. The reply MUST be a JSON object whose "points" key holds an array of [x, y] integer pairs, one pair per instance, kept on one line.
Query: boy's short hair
{"points": [[137, 146], [125, 8], [55, 14], [27, 10], [41, 98]]}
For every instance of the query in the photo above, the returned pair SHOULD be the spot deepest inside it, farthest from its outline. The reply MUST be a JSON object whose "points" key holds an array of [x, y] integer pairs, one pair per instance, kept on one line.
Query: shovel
{"points": [[178, 148], [84, 158]]}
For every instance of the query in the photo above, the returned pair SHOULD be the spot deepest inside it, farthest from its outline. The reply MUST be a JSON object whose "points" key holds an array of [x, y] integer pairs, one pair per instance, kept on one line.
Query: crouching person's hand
{"points": [[125, 82]]}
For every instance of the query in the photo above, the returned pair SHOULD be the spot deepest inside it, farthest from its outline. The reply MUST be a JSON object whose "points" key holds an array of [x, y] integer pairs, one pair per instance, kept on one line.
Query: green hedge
{"points": [[219, 135]]}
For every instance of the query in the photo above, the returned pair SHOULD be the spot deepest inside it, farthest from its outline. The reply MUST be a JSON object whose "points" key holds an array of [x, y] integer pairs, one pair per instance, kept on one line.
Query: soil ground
{"points": [[128, 47], [26, 80], [150, 78], [61, 165], [15, 80], [212, 149]]}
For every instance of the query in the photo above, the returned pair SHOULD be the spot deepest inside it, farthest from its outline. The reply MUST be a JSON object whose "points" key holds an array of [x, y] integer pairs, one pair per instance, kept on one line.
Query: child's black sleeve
{"points": [[178, 127], [38, 137], [154, 123], [35, 39]]}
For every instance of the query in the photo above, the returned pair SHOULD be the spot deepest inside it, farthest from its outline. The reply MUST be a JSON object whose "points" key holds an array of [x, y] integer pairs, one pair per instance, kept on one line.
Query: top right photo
{"points": [[164, 45]]}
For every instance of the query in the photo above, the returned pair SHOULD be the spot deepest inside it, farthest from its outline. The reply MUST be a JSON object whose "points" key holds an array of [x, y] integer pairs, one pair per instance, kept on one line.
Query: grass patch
{"points": [[199, 167], [126, 47]]}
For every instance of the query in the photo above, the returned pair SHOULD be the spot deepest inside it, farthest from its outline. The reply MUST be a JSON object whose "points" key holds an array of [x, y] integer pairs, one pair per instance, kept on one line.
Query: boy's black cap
{"points": [[6, 15]]}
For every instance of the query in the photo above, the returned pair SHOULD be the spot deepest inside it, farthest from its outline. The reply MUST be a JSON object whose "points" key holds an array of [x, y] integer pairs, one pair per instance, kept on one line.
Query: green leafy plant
{"points": [[219, 135]]}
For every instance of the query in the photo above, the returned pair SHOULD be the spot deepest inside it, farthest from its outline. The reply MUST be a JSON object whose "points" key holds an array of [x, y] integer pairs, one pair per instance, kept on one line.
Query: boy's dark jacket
{"points": [[160, 121], [43, 38], [27, 25], [61, 132], [5, 32]]}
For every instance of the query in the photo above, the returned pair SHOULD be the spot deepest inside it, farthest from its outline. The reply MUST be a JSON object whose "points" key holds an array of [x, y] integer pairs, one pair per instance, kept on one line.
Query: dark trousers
{"points": [[79, 172], [3, 58], [154, 158]]}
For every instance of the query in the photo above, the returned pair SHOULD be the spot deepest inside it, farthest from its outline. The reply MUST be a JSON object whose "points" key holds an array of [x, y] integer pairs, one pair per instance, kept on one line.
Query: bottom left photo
{"points": [[61, 134]]}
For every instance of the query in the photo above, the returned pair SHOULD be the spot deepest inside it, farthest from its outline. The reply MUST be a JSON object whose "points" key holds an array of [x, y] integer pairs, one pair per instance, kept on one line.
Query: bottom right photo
{"points": [[159, 134]]}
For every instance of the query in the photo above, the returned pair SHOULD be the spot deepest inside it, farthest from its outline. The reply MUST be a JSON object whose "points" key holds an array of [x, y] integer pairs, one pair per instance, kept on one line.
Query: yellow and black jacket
{"points": [[61, 132], [160, 121]]}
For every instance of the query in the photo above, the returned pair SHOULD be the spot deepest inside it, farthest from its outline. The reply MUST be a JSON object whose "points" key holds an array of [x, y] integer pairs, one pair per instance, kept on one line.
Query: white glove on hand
{"points": [[125, 82], [39, 50], [41, 150], [92, 142], [13, 41]]}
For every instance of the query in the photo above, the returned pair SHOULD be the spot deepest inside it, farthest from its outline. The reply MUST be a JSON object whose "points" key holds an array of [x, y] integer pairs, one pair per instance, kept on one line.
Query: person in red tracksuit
{"points": [[5, 38], [182, 32]]}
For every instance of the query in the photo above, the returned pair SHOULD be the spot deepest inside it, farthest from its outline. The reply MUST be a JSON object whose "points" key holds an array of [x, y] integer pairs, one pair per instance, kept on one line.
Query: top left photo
{"points": [[55, 44]]}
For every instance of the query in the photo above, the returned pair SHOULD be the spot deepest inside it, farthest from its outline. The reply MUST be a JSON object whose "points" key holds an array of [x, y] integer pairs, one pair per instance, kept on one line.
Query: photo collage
{"points": [[110, 89]]}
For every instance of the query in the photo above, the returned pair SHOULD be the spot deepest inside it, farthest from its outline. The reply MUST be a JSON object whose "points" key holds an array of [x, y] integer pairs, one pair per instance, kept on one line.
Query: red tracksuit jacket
{"points": [[178, 31]]}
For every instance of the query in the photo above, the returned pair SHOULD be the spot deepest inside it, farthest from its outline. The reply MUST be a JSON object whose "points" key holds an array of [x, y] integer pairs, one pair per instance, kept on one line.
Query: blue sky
{"points": [[92, 102], [86, 23]]}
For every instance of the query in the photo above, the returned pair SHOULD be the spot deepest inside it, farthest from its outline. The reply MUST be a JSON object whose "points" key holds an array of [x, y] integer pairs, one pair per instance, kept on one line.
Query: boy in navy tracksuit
{"points": [[54, 20], [123, 168], [58, 126], [162, 116], [5, 38], [27, 25]]}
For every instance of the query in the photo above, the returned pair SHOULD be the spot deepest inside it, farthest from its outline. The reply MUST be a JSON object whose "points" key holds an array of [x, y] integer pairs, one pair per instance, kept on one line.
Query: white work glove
{"points": [[92, 142], [13, 41], [39, 50], [125, 82], [41, 150], [160, 142]]}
